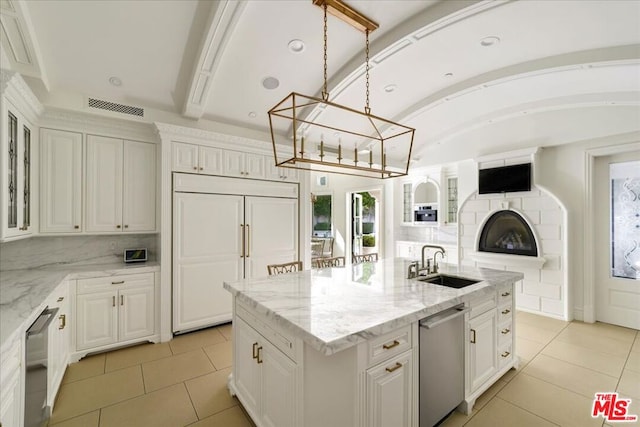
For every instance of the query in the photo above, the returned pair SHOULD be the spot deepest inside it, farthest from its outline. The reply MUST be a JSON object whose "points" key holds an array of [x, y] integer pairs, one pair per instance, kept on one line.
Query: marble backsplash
{"points": [[72, 250], [438, 235]]}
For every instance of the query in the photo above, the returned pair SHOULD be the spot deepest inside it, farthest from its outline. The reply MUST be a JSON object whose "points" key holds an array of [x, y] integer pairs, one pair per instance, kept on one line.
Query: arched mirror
{"points": [[426, 193]]}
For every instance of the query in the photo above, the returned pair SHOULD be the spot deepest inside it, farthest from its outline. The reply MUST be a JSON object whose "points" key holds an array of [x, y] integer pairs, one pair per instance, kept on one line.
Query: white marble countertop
{"points": [[24, 292], [333, 309]]}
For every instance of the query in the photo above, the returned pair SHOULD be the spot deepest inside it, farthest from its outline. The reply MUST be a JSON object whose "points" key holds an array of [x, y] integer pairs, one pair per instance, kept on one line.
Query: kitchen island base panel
{"points": [[466, 407]]}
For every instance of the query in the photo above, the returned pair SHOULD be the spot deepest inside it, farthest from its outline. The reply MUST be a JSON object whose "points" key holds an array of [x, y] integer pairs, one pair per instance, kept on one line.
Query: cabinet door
{"points": [[271, 233], [136, 312], [104, 184], [234, 163], [278, 387], [246, 370], [210, 162], [254, 166], [207, 250], [390, 392], [139, 186], [96, 320], [272, 171], [482, 348], [61, 181], [58, 341], [184, 157], [11, 378]]}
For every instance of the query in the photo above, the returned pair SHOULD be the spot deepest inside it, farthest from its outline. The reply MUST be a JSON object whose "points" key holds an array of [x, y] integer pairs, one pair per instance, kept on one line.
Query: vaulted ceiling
{"points": [[473, 77]]}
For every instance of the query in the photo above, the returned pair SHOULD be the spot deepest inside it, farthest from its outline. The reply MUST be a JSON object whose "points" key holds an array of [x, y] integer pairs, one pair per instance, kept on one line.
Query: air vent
{"points": [[118, 108]]}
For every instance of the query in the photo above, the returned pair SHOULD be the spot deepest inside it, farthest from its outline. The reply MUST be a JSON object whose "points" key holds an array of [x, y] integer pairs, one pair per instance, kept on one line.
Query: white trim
{"points": [[509, 260]]}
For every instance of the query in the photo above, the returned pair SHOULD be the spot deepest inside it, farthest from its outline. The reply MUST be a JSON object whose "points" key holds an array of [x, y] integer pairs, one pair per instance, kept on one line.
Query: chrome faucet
{"points": [[413, 269], [427, 267]]}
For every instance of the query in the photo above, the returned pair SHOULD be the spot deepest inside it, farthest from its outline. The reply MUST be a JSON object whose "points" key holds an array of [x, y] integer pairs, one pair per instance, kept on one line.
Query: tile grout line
{"points": [[526, 410]]}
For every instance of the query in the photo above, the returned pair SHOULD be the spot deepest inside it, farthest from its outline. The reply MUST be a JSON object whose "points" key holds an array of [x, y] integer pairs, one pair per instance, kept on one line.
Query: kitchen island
{"points": [[339, 346]]}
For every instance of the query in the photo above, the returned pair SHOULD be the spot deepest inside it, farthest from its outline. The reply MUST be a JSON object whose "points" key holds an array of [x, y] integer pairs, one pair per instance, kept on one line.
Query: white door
{"points": [[207, 250], [139, 186], [210, 161], [61, 181], [617, 239], [483, 359], [271, 233], [184, 157], [97, 321], [278, 388], [246, 370], [356, 223], [104, 184], [136, 312], [389, 392], [233, 163], [254, 165]]}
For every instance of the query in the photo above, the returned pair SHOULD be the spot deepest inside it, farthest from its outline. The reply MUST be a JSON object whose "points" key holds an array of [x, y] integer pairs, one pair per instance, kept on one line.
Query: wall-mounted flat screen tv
{"points": [[505, 179]]}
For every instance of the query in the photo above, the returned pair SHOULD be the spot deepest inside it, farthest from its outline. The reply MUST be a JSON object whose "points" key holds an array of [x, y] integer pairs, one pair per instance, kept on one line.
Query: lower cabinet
{"points": [[483, 361], [390, 392], [114, 309], [265, 378], [59, 341], [11, 374]]}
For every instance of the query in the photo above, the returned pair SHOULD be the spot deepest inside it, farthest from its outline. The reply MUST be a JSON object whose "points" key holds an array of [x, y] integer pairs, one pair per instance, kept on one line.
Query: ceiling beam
{"points": [[220, 24]]}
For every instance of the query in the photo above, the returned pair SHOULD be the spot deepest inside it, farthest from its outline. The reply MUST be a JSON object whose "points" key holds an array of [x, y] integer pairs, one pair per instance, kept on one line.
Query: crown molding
{"points": [[16, 91]]}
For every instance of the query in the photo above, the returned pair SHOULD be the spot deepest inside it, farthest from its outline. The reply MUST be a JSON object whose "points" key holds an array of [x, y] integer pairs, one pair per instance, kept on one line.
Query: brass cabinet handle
{"points": [[473, 340], [195, 168], [255, 352], [118, 226], [259, 356], [248, 241], [506, 311], [395, 343], [118, 283], [121, 299], [63, 321], [113, 301], [242, 232], [395, 367], [505, 294], [60, 299], [505, 354], [505, 331], [126, 226], [76, 227]]}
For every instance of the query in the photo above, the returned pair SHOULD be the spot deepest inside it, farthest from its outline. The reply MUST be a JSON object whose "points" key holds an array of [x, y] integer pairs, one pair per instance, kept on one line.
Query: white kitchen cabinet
{"points": [[483, 361], [61, 181], [114, 309], [18, 138], [59, 341], [277, 173], [389, 389], [267, 378], [243, 165], [220, 237], [196, 159], [121, 185], [11, 382]]}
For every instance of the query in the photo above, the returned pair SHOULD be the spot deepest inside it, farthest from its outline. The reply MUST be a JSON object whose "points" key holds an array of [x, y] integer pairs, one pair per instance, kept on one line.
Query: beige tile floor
{"points": [[183, 382]]}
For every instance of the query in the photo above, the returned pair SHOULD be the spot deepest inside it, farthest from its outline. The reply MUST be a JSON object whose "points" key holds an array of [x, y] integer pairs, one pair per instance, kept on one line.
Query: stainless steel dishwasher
{"points": [[36, 411], [441, 364]]}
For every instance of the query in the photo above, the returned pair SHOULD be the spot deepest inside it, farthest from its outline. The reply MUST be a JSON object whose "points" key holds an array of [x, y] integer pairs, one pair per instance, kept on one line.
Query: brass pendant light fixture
{"points": [[316, 134]]}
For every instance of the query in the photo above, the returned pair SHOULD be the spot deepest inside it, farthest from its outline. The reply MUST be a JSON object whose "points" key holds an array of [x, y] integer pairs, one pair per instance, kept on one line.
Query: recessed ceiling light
{"points": [[270, 83], [390, 88], [296, 46], [115, 81], [252, 114], [448, 75], [489, 41]]}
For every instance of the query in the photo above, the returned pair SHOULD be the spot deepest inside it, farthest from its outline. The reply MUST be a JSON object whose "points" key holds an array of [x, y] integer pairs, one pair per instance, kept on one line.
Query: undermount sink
{"points": [[449, 281]]}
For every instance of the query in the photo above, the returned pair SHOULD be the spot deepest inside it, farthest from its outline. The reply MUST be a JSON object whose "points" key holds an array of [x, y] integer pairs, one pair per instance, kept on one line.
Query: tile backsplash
{"points": [[72, 250]]}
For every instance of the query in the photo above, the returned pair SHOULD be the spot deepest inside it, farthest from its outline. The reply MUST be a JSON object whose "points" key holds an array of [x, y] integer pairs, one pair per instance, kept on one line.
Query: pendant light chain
{"points": [[325, 93], [367, 110]]}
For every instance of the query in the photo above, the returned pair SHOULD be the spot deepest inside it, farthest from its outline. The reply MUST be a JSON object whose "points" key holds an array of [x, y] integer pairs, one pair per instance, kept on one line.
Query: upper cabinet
{"points": [[121, 185], [246, 165], [18, 140], [196, 159], [60, 181]]}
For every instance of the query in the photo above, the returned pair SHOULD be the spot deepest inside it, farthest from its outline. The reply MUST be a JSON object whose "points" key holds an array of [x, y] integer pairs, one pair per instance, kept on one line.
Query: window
{"points": [[321, 220]]}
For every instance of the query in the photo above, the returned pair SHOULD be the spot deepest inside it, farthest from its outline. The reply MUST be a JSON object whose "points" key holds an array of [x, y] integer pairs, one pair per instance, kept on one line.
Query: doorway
{"points": [[617, 239], [365, 219]]}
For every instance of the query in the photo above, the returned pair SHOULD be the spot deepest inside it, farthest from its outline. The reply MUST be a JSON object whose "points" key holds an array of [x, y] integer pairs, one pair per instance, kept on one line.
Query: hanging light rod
{"points": [[349, 15]]}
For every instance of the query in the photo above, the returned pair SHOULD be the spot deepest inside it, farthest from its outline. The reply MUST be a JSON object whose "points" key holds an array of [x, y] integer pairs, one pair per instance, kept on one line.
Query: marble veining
{"points": [[24, 292], [335, 308]]}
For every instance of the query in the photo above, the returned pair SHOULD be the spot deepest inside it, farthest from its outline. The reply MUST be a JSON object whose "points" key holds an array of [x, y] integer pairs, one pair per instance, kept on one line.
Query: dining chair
{"points": [[287, 267], [372, 257], [337, 261]]}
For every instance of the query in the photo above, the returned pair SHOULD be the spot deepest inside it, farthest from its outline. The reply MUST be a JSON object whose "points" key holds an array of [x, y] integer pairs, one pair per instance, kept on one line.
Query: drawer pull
{"points": [[255, 353], [505, 331], [505, 294], [259, 356], [505, 354], [113, 301], [121, 299], [63, 321], [118, 283], [395, 343], [76, 227], [506, 311], [60, 299], [473, 340], [395, 367]]}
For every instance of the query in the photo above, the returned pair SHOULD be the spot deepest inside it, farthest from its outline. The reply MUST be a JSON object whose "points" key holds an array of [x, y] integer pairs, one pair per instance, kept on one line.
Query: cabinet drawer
{"points": [[505, 355], [505, 333], [282, 341], [505, 312], [481, 305], [505, 294], [97, 284], [388, 345]]}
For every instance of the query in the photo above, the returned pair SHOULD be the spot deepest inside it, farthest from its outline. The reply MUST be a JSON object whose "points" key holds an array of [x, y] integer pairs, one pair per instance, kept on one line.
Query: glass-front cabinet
{"points": [[420, 202], [17, 173]]}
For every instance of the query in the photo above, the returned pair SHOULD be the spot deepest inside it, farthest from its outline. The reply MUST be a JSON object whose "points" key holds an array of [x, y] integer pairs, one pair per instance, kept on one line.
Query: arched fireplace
{"points": [[507, 232]]}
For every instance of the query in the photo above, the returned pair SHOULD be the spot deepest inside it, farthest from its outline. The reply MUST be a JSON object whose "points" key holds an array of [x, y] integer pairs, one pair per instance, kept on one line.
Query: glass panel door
{"points": [[26, 214], [12, 214], [625, 219]]}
